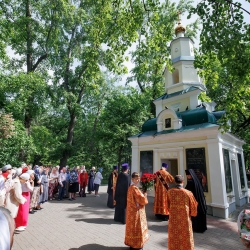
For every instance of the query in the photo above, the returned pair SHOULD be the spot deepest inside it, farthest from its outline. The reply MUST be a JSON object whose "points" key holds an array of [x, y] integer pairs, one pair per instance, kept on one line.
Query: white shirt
{"points": [[62, 177], [98, 178]]}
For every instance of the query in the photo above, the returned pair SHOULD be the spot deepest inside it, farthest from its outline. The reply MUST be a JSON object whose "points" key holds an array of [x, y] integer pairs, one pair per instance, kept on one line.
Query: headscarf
{"points": [[25, 176], [37, 172], [197, 190], [243, 223]]}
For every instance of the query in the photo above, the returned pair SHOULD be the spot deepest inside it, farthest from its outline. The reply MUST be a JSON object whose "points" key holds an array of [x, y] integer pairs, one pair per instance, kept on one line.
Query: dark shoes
{"points": [[165, 217], [131, 248], [162, 217]]}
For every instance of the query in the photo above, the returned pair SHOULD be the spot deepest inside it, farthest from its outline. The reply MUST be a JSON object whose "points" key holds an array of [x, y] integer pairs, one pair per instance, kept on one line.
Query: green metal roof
{"points": [[218, 114], [197, 116], [149, 125], [183, 129], [191, 120]]}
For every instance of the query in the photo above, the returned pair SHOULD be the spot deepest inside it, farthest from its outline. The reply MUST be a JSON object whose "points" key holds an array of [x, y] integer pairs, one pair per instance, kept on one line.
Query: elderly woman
{"points": [[73, 184], [45, 186], [83, 182], [91, 180], [53, 182], [14, 197], [97, 181], [35, 182], [21, 219]]}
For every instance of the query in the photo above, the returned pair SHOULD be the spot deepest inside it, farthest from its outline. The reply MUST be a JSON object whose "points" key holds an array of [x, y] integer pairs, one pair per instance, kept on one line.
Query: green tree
{"points": [[125, 112], [152, 53], [17, 148], [28, 28], [224, 60], [93, 36]]}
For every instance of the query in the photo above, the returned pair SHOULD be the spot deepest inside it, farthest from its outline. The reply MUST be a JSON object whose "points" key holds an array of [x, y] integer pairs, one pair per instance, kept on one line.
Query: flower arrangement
{"points": [[147, 182]]}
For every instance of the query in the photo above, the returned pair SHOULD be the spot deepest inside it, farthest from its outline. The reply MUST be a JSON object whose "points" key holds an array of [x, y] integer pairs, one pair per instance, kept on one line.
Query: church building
{"points": [[186, 135]]}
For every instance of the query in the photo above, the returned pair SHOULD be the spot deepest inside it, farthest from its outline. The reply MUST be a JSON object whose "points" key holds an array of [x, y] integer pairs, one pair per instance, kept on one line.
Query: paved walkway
{"points": [[87, 224]]}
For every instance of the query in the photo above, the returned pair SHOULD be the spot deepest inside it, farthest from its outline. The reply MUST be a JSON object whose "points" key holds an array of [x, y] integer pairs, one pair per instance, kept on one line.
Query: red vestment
{"points": [[160, 202], [136, 222], [182, 205]]}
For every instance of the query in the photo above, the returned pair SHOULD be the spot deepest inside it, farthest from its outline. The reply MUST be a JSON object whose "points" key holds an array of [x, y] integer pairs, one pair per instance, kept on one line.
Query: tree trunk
{"points": [[91, 148], [27, 115], [66, 152]]}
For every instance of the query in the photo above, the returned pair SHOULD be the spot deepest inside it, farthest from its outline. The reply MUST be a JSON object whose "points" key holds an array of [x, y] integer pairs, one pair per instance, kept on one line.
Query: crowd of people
{"points": [[23, 190]]}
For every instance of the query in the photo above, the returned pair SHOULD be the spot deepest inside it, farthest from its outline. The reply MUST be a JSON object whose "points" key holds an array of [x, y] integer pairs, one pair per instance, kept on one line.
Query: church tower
{"points": [[182, 56], [185, 134], [183, 85]]}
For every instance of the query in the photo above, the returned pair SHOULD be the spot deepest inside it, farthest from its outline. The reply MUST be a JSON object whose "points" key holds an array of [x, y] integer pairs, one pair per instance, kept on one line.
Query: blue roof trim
{"points": [[183, 58]]}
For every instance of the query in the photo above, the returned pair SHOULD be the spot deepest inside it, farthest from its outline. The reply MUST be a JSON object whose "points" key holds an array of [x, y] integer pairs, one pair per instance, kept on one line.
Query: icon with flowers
{"points": [[147, 182]]}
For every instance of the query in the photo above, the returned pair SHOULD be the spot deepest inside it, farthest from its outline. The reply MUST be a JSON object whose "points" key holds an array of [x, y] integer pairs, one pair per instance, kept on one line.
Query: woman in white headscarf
{"points": [[14, 197], [23, 211]]}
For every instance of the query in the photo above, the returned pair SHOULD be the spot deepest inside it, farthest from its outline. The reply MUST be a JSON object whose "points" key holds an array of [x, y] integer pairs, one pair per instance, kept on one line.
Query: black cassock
{"points": [[110, 202], [122, 185], [199, 223]]}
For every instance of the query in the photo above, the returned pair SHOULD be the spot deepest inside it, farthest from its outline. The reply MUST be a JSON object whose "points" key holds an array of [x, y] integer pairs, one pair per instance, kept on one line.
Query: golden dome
{"points": [[179, 28]]}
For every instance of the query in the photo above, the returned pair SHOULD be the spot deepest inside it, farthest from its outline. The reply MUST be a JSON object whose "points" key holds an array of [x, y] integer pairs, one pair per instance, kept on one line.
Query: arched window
{"points": [[176, 76]]}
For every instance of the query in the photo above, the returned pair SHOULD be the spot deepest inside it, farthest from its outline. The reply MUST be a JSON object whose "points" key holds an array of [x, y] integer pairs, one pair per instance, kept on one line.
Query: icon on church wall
{"points": [[196, 160], [168, 123]]}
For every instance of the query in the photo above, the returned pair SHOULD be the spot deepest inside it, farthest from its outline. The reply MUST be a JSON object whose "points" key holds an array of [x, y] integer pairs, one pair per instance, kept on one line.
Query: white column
{"points": [[181, 169], [135, 160], [217, 183], [244, 169], [156, 166], [245, 175]]}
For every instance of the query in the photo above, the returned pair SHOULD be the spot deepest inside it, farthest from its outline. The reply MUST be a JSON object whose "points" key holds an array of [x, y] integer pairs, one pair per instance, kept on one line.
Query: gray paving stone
{"points": [[87, 224]]}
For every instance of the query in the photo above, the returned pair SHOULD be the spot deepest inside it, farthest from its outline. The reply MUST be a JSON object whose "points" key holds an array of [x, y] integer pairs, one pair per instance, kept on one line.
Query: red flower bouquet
{"points": [[147, 182]]}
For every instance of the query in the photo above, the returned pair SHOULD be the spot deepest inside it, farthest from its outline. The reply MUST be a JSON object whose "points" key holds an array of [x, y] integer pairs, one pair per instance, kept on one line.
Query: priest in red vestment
{"points": [[136, 222], [162, 181], [182, 205]]}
